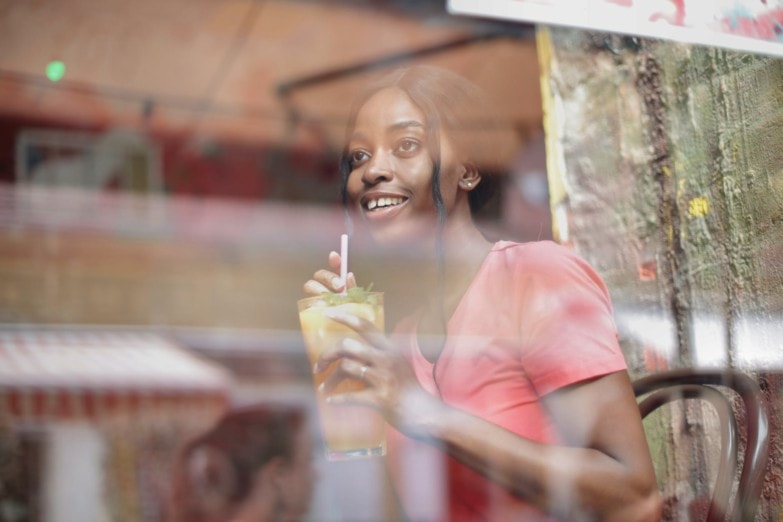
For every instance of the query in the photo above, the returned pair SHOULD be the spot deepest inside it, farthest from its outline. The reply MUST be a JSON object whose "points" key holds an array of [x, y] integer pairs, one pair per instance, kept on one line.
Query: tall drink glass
{"points": [[349, 431]]}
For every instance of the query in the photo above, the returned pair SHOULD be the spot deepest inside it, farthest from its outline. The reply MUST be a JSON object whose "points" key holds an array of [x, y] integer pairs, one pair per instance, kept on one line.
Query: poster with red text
{"points": [[744, 25]]}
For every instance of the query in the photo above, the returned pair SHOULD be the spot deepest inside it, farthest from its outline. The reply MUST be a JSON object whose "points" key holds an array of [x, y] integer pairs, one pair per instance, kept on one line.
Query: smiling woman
{"points": [[506, 369]]}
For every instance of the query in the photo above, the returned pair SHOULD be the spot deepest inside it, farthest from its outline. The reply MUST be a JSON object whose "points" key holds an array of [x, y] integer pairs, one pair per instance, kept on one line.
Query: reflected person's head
{"points": [[414, 143], [254, 464]]}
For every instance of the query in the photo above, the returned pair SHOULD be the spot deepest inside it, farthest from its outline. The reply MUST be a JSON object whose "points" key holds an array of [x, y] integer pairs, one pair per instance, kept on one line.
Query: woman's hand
{"points": [[325, 280], [390, 384]]}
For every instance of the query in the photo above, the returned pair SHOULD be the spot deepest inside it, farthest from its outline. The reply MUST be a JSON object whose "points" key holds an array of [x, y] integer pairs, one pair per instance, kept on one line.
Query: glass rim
{"points": [[314, 298]]}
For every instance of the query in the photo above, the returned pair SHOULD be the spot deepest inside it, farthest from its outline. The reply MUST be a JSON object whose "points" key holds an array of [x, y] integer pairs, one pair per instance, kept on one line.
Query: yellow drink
{"points": [[349, 431]]}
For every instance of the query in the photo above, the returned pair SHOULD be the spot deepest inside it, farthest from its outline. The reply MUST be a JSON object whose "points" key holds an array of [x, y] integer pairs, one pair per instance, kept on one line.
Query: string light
{"points": [[55, 70]]}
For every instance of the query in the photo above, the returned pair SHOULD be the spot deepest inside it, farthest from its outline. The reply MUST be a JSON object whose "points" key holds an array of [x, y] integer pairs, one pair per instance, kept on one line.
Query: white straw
{"points": [[344, 261]]}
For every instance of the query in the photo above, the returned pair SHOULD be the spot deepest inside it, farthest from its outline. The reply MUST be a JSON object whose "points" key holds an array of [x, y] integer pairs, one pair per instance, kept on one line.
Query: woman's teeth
{"points": [[383, 202]]}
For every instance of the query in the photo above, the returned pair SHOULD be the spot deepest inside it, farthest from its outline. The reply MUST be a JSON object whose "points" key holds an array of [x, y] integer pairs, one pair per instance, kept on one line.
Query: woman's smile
{"points": [[380, 202], [382, 205]]}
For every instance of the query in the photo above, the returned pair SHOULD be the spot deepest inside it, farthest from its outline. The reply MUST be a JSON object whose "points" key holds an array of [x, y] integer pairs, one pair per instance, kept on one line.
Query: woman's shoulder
{"points": [[543, 260], [540, 254]]}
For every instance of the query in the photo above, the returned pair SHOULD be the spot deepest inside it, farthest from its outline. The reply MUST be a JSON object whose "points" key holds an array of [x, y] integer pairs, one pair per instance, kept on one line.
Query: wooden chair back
{"points": [[711, 386]]}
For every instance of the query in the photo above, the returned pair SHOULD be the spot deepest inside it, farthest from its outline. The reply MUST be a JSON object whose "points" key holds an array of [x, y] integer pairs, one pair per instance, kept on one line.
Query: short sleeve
{"points": [[568, 330]]}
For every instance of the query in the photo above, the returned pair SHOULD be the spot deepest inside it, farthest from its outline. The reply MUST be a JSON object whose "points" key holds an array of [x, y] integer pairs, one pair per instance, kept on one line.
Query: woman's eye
{"points": [[408, 146], [358, 157]]}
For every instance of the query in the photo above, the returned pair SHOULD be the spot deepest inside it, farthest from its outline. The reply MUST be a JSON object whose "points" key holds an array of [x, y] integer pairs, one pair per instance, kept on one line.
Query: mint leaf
{"points": [[357, 294]]}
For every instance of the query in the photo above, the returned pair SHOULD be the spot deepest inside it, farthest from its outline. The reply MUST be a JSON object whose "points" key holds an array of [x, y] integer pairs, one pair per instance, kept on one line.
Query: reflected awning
{"points": [[91, 374]]}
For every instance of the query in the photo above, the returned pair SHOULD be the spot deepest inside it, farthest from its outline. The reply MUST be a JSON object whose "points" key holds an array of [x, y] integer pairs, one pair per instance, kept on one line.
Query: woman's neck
{"points": [[464, 249], [463, 242]]}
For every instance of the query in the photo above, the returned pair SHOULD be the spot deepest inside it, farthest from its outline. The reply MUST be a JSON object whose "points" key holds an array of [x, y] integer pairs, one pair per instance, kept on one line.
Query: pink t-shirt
{"points": [[535, 318]]}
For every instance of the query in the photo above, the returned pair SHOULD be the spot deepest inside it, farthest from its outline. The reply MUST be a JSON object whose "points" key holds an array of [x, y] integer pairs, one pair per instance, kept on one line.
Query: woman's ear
{"points": [[212, 477], [470, 176]]}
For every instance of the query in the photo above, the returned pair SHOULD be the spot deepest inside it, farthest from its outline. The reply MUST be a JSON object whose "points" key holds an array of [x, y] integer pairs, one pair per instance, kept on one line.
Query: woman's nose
{"points": [[379, 168]]}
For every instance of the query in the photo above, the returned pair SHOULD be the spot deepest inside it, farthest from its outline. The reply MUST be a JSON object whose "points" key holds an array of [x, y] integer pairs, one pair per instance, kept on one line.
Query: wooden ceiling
{"points": [[264, 71]]}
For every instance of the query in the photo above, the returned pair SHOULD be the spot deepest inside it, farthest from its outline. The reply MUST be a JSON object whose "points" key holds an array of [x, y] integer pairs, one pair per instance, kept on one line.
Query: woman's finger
{"points": [[329, 280], [314, 288], [347, 349], [362, 326], [334, 261], [349, 369], [340, 371]]}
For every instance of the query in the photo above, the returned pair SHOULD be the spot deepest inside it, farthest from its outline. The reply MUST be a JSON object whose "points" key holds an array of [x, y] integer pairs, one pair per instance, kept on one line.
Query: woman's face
{"points": [[390, 183]]}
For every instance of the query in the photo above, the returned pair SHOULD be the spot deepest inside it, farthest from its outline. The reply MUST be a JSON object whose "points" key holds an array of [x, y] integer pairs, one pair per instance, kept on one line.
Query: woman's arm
{"points": [[601, 471]]}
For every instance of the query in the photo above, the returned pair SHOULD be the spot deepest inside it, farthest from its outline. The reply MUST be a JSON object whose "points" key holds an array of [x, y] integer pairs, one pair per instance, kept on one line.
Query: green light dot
{"points": [[55, 70]]}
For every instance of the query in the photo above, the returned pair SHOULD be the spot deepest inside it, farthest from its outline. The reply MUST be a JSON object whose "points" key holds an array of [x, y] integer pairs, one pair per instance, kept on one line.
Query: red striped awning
{"points": [[87, 374]]}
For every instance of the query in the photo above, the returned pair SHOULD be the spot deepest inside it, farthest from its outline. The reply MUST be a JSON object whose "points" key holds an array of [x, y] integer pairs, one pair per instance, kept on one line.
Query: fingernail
{"points": [[337, 282], [321, 387], [351, 343]]}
